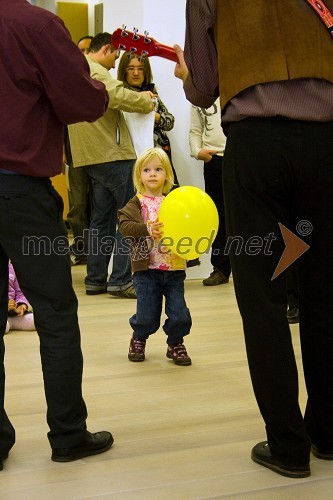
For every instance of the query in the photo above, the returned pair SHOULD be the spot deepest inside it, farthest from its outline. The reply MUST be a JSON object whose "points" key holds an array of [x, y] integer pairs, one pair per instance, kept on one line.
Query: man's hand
{"points": [[149, 94], [181, 70], [152, 96]]}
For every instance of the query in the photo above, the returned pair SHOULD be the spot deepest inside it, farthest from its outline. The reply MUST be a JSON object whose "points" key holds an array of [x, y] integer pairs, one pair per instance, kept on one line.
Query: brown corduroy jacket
{"points": [[132, 226]]}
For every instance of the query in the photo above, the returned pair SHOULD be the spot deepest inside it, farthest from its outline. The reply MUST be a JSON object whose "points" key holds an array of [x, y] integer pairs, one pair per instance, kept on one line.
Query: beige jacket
{"points": [[206, 131], [107, 139]]}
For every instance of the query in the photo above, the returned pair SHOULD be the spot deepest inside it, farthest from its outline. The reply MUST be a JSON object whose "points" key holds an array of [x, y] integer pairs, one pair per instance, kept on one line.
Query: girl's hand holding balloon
{"points": [[154, 229]]}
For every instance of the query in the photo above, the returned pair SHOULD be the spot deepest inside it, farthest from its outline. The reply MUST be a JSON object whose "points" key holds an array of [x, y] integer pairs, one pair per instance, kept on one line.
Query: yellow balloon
{"points": [[190, 221]]}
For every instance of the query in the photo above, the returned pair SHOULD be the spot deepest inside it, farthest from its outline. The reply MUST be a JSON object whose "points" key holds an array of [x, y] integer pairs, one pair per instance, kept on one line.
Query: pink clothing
{"points": [[162, 260], [25, 322], [14, 290]]}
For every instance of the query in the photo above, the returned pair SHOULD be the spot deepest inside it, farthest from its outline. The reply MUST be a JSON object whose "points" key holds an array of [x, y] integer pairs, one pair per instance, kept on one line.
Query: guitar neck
{"points": [[166, 52]]}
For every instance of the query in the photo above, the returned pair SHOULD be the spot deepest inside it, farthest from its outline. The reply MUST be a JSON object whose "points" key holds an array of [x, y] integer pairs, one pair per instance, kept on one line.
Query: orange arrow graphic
{"points": [[295, 247]]}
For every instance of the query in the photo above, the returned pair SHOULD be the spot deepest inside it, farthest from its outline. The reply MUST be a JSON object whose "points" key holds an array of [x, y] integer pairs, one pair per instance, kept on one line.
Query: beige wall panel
{"points": [[75, 17]]}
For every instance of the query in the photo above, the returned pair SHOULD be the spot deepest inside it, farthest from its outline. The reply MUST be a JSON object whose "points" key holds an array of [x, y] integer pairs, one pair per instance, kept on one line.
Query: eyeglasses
{"points": [[131, 69]]}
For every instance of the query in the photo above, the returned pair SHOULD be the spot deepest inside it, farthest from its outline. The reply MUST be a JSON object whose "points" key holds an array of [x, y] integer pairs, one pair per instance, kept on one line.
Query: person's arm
{"points": [[197, 128], [15, 292], [196, 131], [11, 279], [198, 67], [63, 74], [129, 100], [119, 96], [165, 120], [130, 222]]}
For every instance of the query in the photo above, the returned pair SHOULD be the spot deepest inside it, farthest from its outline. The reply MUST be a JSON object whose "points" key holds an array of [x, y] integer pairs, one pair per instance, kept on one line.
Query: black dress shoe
{"points": [[2, 459], [99, 442], [261, 454], [293, 315], [324, 455]]}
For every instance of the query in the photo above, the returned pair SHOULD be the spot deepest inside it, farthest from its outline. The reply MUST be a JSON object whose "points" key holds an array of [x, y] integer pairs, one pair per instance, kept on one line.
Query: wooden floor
{"points": [[180, 432]]}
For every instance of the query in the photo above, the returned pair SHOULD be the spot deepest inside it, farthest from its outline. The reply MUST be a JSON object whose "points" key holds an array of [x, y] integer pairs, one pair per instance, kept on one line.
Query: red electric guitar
{"points": [[141, 44]]}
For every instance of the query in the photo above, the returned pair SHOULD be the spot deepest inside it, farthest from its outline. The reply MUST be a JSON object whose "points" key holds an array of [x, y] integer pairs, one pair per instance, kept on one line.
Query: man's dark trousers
{"points": [[278, 170], [31, 208]]}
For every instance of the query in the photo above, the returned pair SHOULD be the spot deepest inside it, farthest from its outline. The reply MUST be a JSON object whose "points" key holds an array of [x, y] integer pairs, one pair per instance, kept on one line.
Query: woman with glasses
{"points": [[136, 74]]}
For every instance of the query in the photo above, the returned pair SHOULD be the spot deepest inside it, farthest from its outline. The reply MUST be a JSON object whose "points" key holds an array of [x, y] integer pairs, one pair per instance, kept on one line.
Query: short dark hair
{"points": [[99, 41], [84, 38]]}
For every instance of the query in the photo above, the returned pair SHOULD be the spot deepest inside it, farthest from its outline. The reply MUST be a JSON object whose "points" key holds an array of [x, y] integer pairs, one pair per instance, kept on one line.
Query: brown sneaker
{"points": [[215, 278], [136, 351], [178, 354]]}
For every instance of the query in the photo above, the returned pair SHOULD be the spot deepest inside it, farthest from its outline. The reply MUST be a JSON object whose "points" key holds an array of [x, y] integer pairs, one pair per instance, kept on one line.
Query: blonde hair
{"points": [[142, 160]]}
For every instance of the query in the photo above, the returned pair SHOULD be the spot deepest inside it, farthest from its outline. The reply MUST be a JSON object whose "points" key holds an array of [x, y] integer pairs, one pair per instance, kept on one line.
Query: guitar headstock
{"points": [[142, 45]]}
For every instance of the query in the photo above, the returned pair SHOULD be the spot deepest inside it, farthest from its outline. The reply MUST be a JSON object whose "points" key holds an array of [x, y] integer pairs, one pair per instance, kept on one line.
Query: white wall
{"points": [[45, 4], [165, 21]]}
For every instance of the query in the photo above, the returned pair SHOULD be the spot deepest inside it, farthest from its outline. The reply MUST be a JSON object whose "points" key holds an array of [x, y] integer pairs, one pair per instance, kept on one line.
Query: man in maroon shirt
{"points": [[44, 79]]}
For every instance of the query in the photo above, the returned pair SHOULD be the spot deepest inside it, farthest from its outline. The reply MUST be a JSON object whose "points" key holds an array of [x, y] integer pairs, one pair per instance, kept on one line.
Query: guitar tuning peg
{"points": [[135, 34], [123, 31], [144, 54], [146, 39]]}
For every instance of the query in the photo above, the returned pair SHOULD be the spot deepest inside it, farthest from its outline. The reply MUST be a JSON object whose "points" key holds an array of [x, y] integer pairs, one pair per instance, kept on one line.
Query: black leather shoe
{"points": [[293, 315], [95, 289], [261, 454], [2, 459], [99, 442], [324, 455]]}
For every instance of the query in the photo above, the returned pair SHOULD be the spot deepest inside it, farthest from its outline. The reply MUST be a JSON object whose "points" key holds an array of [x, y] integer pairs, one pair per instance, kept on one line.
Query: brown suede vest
{"points": [[260, 41]]}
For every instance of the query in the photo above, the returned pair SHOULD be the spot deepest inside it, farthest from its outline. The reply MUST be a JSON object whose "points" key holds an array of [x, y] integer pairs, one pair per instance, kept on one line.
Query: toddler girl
{"points": [[157, 272]]}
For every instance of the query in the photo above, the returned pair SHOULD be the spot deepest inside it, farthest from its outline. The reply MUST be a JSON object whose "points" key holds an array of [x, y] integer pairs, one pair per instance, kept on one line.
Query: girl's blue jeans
{"points": [[150, 287]]}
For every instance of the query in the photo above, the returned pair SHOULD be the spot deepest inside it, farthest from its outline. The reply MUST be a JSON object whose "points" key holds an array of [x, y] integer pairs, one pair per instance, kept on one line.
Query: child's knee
{"points": [[28, 322]]}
